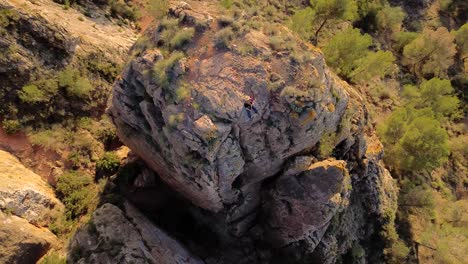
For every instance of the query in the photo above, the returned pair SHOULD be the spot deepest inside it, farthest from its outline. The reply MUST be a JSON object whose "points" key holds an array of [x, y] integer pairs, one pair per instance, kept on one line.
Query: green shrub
{"points": [[223, 38], [157, 8], [183, 92], [162, 70], [98, 64], [75, 190], [7, 17], [225, 21], [52, 139], [61, 225], [31, 94], [106, 133], [108, 164], [120, 8], [227, 3], [81, 88], [11, 126], [168, 28], [327, 144], [182, 38], [79, 158], [67, 77], [53, 258]]}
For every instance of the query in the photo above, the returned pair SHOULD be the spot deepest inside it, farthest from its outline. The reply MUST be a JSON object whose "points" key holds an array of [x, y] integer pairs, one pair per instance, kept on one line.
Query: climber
{"points": [[248, 105]]}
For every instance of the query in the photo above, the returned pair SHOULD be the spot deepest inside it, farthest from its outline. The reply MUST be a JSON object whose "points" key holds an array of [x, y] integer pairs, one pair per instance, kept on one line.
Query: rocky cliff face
{"points": [[272, 153], [27, 206]]}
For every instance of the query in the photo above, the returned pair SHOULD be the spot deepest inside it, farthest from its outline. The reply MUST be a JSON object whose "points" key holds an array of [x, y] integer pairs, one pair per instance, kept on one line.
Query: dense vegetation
{"points": [[378, 47]]}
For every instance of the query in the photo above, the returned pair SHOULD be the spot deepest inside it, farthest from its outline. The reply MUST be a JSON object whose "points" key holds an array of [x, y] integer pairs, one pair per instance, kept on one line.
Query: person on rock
{"points": [[248, 105]]}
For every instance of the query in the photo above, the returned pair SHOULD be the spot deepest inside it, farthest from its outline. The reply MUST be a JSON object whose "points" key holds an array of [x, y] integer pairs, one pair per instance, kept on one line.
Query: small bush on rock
{"points": [[107, 164], [223, 38]]}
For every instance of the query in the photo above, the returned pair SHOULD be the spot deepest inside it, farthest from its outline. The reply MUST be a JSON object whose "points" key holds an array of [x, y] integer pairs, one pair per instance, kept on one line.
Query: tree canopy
{"points": [[415, 140], [348, 52], [310, 21], [430, 53]]}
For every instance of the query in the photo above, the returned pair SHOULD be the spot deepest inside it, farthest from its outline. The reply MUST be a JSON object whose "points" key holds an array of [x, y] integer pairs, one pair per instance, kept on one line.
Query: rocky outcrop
{"points": [[27, 205], [116, 236], [270, 150], [41, 38], [24, 193], [304, 199], [22, 242]]}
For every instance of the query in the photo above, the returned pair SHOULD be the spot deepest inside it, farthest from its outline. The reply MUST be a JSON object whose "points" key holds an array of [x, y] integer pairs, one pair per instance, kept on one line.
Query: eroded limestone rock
{"points": [[24, 193]]}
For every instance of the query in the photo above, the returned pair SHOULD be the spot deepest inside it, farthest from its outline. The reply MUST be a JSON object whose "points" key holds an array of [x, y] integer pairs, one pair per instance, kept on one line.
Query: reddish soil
{"points": [[39, 160]]}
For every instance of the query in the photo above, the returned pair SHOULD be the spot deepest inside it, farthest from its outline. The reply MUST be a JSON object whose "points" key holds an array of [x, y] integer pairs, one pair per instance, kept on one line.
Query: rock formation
{"points": [[27, 206], [117, 236], [271, 154]]}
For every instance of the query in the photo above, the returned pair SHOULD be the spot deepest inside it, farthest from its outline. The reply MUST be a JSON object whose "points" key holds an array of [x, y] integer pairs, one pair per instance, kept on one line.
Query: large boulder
{"points": [[268, 145], [206, 146]]}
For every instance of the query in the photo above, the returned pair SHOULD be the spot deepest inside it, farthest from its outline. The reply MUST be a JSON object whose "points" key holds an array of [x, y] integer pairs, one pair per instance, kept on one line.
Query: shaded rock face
{"points": [[302, 201], [256, 178], [116, 236], [27, 205]]}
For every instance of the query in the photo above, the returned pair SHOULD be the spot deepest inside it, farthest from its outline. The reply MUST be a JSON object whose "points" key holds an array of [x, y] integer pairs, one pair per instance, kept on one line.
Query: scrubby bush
{"points": [[76, 192], [389, 20], [461, 38], [7, 17], [227, 3], [327, 144], [158, 8], [107, 164], [31, 94], [53, 139], [119, 8], [223, 38], [75, 84], [53, 258], [182, 38], [403, 38], [106, 133], [162, 70], [81, 88], [11, 126]]}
